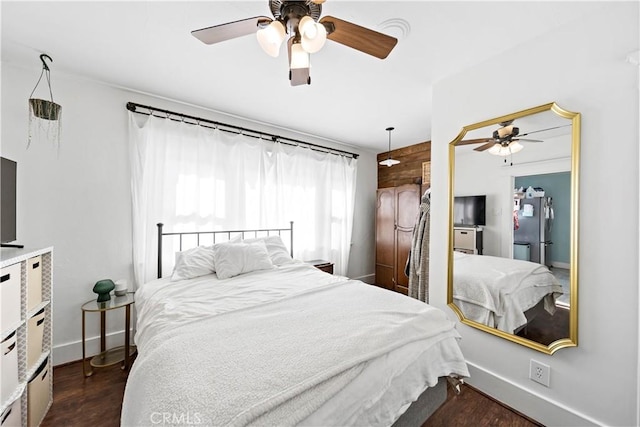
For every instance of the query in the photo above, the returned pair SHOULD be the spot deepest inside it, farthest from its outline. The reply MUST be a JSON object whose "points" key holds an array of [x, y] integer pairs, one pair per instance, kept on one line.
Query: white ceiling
{"points": [[147, 46]]}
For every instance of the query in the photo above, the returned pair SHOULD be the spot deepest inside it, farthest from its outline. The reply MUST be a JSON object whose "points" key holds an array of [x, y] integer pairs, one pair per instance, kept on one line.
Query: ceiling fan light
{"points": [[313, 44], [505, 150], [271, 37], [299, 57], [495, 149], [514, 147], [307, 27]]}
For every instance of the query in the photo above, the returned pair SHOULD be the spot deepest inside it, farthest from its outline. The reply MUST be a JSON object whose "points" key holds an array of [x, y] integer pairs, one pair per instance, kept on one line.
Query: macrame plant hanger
{"points": [[44, 115]]}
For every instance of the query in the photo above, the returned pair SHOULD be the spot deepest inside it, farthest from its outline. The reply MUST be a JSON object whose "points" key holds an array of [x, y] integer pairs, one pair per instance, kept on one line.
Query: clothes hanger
{"points": [[427, 193]]}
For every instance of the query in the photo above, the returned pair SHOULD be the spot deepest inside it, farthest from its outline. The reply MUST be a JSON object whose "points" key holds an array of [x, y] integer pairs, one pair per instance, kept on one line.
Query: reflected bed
{"points": [[502, 293]]}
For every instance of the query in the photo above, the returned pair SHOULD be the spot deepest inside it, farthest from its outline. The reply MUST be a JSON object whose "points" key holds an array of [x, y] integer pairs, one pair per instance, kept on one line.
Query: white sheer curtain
{"points": [[194, 178]]}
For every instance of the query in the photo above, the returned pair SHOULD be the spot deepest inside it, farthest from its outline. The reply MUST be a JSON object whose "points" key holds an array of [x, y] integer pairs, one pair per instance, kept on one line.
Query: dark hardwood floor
{"points": [[473, 409], [547, 328], [93, 402], [96, 402]]}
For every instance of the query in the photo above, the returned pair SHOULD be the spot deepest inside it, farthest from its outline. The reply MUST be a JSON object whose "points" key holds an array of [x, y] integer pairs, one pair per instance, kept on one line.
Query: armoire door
{"points": [[396, 213], [385, 237]]}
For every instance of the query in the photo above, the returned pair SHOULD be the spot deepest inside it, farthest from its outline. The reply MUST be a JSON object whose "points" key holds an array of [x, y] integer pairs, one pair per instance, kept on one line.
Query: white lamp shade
{"points": [[389, 162], [271, 37], [307, 27], [312, 35], [495, 149], [299, 57], [515, 146]]}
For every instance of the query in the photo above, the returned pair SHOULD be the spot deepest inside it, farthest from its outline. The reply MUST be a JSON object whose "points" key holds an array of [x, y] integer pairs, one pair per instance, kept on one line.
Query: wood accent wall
{"points": [[409, 171]]}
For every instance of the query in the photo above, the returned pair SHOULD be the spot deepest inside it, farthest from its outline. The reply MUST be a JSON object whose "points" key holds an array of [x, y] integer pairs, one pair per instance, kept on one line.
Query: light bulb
{"points": [[313, 44], [515, 146], [505, 150], [307, 27], [495, 149], [299, 58], [271, 37]]}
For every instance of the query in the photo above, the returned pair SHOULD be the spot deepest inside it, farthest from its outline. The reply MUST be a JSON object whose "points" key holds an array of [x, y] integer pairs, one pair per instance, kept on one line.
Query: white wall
{"points": [[582, 67], [78, 200]]}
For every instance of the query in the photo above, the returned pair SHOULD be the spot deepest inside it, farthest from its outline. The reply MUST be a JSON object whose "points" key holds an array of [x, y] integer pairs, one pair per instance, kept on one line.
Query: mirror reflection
{"points": [[513, 187]]}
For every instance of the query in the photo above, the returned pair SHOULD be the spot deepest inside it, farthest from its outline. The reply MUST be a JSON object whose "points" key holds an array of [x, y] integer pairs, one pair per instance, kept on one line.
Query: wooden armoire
{"points": [[396, 212]]}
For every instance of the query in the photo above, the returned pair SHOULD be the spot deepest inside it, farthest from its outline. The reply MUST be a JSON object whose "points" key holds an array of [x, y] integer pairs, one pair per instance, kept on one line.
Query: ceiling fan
{"points": [[504, 140], [299, 22]]}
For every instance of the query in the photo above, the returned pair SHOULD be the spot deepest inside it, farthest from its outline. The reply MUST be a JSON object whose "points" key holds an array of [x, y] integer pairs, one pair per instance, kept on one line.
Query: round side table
{"points": [[114, 355]]}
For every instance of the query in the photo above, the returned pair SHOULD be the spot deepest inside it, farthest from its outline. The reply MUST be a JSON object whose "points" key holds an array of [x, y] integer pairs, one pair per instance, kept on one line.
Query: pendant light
{"points": [[389, 161]]}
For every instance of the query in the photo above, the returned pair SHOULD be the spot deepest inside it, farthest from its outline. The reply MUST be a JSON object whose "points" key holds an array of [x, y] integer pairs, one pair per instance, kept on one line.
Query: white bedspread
{"points": [[497, 291], [286, 346]]}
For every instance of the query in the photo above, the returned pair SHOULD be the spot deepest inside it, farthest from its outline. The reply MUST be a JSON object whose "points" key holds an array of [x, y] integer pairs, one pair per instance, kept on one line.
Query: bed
{"points": [[502, 293], [283, 344]]}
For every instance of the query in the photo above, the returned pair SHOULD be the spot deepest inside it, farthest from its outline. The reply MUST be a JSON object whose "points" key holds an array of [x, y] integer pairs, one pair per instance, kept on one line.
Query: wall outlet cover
{"points": [[540, 373]]}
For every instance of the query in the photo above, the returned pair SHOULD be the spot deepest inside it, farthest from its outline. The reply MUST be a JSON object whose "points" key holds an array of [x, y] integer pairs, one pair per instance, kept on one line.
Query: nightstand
{"points": [[320, 264], [114, 355]]}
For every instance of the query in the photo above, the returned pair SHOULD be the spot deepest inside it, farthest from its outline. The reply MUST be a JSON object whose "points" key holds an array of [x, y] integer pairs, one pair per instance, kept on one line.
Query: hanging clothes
{"points": [[418, 261]]}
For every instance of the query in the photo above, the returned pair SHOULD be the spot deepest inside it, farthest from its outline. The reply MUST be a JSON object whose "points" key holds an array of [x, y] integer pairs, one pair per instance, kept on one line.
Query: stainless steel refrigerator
{"points": [[534, 228]]}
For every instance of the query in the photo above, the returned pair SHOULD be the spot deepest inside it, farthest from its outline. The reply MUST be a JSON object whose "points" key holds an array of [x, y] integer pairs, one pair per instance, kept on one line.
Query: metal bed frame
{"points": [[259, 232]]}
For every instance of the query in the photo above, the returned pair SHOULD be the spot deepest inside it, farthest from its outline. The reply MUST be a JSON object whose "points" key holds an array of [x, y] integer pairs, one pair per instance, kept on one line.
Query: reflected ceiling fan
{"points": [[299, 23], [504, 141]]}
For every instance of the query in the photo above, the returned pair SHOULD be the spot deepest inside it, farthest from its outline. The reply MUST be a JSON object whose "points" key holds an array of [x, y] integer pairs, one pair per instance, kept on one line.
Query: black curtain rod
{"points": [[179, 117]]}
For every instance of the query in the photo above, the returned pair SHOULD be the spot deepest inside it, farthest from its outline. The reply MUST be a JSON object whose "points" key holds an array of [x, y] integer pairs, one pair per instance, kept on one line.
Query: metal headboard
{"points": [[228, 233]]}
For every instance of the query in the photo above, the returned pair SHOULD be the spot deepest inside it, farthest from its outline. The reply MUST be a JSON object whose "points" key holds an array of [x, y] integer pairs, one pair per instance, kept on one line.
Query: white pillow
{"points": [[278, 252], [232, 259], [193, 262], [196, 262]]}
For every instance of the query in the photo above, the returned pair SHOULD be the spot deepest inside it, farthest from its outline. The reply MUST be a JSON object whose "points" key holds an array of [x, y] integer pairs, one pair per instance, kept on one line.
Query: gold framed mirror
{"points": [[513, 227]]}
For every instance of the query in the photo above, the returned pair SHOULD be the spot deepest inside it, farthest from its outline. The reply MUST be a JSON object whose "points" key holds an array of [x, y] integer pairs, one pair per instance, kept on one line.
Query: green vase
{"points": [[103, 288]]}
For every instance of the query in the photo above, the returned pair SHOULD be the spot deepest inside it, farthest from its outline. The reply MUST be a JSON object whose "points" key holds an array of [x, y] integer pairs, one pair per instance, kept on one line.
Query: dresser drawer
{"points": [[12, 416], [38, 396], [34, 282], [9, 296], [464, 239], [9, 366], [35, 336]]}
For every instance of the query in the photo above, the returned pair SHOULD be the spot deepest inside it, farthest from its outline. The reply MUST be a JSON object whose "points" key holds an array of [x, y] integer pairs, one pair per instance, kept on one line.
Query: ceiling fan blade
{"points": [[474, 141], [485, 146], [230, 30], [528, 140], [542, 130], [360, 38]]}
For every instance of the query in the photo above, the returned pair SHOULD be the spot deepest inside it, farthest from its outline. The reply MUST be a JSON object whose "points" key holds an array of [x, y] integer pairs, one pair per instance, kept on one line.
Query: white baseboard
{"points": [[527, 402], [558, 264], [71, 352]]}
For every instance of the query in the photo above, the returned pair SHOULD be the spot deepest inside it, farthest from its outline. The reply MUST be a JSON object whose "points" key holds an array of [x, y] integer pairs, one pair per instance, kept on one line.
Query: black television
{"points": [[470, 210], [8, 181]]}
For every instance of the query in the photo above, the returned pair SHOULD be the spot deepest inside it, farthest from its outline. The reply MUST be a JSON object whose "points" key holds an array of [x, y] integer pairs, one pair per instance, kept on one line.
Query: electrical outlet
{"points": [[540, 373]]}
